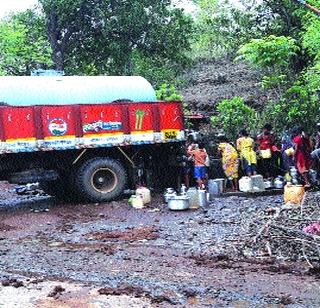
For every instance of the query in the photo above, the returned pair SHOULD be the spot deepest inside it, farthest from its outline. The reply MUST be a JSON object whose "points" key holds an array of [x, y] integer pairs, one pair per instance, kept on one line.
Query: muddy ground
{"points": [[112, 255]]}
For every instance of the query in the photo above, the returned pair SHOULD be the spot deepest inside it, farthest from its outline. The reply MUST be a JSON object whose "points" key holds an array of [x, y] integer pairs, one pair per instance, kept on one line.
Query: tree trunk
{"points": [[54, 39], [58, 60]]}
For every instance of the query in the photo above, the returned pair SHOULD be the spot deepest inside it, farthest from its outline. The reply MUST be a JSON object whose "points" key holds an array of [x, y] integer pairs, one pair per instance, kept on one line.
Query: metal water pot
{"points": [[294, 175], [169, 194], [268, 184], [278, 183], [202, 196], [179, 203], [293, 172], [313, 175]]}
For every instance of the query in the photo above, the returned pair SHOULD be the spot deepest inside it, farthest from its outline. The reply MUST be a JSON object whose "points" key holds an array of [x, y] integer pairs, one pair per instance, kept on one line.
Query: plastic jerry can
{"points": [[257, 182], [137, 201], [146, 194], [293, 194], [245, 184]]}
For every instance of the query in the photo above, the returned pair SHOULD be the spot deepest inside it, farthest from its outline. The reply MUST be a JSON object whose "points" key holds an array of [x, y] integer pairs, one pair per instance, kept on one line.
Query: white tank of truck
{"points": [[63, 90]]}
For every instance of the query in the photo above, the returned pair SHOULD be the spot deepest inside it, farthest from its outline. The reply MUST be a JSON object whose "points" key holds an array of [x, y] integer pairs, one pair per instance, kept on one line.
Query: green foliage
{"points": [[270, 82], [221, 28], [280, 18], [155, 69], [271, 52], [311, 37], [168, 93], [233, 115], [298, 105], [312, 78], [22, 47], [104, 37]]}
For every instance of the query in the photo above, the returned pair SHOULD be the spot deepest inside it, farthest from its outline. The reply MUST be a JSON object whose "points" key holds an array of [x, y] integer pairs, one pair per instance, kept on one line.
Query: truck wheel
{"points": [[100, 179]]}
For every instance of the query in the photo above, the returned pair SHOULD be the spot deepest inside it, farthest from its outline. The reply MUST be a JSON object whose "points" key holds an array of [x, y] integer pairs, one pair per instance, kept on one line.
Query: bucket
{"points": [[216, 187], [202, 197], [192, 193], [213, 188], [221, 182]]}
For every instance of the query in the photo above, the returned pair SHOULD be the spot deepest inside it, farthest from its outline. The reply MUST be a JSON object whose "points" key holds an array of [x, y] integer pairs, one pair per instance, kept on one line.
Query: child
{"points": [[200, 156]]}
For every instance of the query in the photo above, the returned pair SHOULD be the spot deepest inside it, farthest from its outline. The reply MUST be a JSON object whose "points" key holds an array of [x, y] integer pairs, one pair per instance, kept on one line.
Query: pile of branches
{"points": [[278, 232]]}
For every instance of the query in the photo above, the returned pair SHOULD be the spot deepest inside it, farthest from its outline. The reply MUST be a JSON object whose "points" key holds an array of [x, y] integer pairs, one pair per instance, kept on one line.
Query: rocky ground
{"points": [[111, 255]]}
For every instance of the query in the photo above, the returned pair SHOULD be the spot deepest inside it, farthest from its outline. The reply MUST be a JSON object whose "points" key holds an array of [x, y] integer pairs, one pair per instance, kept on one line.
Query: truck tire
{"points": [[100, 179]]}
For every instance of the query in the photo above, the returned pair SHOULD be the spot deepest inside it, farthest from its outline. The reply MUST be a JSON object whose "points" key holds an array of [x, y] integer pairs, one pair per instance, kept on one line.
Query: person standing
{"points": [[302, 157], [199, 155], [230, 161], [245, 146], [318, 137], [266, 142], [287, 151], [187, 167]]}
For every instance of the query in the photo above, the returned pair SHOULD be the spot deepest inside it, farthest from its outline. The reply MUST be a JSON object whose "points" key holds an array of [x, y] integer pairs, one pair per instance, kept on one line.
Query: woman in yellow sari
{"points": [[245, 146], [230, 161]]}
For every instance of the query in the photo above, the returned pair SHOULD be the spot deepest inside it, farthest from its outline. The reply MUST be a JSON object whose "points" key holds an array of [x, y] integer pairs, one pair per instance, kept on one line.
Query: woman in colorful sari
{"points": [[230, 161], [303, 149], [245, 146]]}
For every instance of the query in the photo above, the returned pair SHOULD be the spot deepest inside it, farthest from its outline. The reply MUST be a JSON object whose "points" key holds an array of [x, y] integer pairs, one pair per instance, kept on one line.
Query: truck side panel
{"points": [[45, 128], [171, 121], [18, 129], [141, 123], [58, 125], [102, 125]]}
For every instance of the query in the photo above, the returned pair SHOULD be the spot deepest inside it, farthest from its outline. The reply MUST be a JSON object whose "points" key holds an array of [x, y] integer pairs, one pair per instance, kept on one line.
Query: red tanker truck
{"points": [[89, 137]]}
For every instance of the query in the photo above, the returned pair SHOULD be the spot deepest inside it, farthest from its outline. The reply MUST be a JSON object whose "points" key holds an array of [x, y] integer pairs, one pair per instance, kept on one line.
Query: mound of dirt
{"points": [[209, 82]]}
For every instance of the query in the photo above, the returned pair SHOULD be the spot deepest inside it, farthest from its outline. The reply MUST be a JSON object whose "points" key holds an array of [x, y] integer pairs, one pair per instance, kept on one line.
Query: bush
{"points": [[168, 93], [233, 115]]}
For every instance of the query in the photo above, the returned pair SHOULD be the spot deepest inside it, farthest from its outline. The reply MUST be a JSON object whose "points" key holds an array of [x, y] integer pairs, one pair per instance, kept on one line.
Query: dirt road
{"points": [[111, 255]]}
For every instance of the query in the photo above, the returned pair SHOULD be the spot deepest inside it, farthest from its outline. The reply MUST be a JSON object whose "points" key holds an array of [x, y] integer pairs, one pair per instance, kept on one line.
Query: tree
{"points": [[233, 115], [221, 27], [99, 36], [22, 45]]}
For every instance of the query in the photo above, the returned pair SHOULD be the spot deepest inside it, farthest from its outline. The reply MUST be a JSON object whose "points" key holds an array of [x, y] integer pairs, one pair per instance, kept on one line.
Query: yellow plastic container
{"points": [[290, 152], [293, 194], [266, 153]]}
